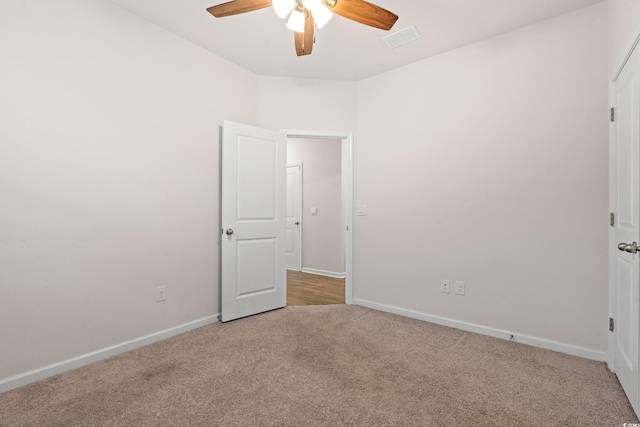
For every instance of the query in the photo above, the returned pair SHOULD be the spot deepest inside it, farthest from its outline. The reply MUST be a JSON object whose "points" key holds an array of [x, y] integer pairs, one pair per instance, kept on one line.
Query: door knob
{"points": [[297, 223], [229, 232], [630, 248]]}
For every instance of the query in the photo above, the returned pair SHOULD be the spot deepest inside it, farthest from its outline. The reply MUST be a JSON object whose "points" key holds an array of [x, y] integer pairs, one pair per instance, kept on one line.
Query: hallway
{"points": [[313, 289]]}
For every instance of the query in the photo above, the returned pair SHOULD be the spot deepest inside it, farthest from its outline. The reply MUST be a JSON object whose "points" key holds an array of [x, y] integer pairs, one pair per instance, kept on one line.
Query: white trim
{"points": [[612, 184], [611, 236], [324, 273], [20, 380], [347, 141], [623, 62], [586, 353]]}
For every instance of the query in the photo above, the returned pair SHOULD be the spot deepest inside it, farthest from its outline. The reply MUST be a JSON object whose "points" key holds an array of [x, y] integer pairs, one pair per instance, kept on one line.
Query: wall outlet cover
{"points": [[445, 286], [161, 293]]}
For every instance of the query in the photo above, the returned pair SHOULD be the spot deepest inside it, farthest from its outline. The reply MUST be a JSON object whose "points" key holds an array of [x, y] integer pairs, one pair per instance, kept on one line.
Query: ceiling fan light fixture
{"points": [[321, 15], [296, 21], [311, 4], [302, 14], [283, 7]]}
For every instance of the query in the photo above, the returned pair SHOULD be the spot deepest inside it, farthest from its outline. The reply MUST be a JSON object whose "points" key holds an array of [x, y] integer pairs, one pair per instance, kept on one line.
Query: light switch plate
{"points": [[161, 293], [460, 288], [362, 210], [314, 211]]}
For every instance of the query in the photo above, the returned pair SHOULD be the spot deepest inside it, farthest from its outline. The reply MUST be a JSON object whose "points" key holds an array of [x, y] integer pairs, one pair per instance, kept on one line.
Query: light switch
{"points": [[362, 210], [314, 211]]}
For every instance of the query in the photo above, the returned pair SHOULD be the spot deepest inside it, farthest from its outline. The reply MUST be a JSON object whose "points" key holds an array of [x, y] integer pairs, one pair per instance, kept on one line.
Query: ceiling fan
{"points": [[303, 13]]}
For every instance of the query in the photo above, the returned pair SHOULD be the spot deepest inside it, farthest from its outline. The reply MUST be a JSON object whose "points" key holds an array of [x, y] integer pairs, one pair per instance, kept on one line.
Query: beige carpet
{"points": [[326, 366]]}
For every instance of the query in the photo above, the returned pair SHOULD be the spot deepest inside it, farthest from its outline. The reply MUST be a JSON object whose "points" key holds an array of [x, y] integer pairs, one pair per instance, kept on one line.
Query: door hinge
{"points": [[613, 114], [612, 219], [610, 324]]}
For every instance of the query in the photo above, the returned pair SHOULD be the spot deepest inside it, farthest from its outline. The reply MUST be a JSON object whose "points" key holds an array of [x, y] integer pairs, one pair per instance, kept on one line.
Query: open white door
{"points": [[294, 216], [624, 237], [253, 220]]}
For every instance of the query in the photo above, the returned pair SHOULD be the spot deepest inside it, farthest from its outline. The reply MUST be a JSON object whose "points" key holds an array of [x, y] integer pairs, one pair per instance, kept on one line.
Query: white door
{"points": [[294, 208], [625, 191], [253, 220]]}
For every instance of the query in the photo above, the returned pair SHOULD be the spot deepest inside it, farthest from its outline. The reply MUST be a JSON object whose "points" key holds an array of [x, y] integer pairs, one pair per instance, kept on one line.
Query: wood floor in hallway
{"points": [[313, 289]]}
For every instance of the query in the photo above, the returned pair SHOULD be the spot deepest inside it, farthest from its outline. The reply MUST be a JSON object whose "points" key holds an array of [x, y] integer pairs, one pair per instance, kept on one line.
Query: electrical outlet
{"points": [[444, 286], [459, 288], [161, 293]]}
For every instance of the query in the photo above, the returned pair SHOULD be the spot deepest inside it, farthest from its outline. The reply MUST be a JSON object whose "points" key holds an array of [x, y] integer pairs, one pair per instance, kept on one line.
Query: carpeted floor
{"points": [[326, 366]]}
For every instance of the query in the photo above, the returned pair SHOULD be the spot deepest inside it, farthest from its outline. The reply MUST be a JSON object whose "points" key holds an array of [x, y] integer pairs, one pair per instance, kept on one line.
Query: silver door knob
{"points": [[630, 248], [297, 223], [229, 232]]}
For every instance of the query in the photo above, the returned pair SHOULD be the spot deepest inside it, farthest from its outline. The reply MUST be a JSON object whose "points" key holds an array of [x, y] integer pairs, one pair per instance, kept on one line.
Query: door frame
{"points": [[300, 227], [347, 161], [613, 286], [612, 244]]}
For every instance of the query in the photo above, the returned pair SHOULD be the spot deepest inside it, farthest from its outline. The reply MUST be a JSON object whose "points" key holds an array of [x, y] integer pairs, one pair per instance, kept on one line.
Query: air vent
{"points": [[401, 37]]}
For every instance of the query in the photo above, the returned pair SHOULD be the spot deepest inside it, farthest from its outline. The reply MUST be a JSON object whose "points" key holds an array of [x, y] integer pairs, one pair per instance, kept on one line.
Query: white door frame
{"points": [[300, 227], [347, 161], [613, 285], [612, 289]]}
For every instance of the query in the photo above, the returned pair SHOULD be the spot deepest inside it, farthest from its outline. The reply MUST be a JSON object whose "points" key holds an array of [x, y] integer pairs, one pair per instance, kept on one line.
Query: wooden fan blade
{"points": [[364, 13], [304, 41], [236, 7]]}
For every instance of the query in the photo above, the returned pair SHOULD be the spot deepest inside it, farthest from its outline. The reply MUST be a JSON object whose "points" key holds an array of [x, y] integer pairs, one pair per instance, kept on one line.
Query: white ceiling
{"points": [[345, 50]]}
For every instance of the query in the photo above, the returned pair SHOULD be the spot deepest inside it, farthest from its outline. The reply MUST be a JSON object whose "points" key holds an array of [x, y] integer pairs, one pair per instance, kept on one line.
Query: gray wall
{"points": [[108, 178], [487, 165]]}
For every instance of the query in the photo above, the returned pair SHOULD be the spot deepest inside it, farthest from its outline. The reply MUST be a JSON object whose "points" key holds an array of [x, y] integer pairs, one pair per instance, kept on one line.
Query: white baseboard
{"points": [[585, 353], [10, 383], [324, 273]]}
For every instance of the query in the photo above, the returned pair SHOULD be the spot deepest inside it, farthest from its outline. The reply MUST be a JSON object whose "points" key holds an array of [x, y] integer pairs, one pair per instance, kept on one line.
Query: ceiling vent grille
{"points": [[401, 37]]}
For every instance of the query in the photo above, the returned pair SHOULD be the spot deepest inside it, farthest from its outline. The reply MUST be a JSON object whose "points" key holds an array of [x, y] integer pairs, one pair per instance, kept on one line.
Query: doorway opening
{"points": [[319, 223]]}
